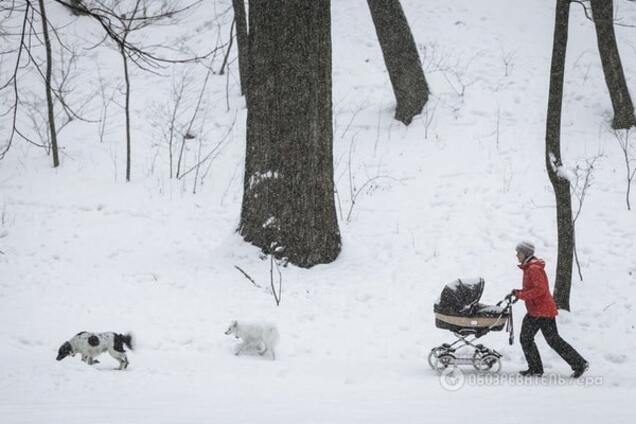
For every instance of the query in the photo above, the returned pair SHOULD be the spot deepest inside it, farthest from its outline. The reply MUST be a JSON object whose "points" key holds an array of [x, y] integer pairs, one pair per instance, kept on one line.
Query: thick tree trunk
{"points": [[401, 58], [603, 13], [49, 96], [560, 183], [288, 200], [241, 41]]}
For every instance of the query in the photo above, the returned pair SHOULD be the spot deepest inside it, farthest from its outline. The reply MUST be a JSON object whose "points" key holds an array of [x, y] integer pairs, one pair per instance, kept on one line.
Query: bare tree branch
{"points": [[14, 80]]}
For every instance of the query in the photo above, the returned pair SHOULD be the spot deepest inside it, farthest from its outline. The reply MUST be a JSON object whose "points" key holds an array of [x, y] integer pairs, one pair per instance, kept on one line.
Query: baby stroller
{"points": [[458, 310]]}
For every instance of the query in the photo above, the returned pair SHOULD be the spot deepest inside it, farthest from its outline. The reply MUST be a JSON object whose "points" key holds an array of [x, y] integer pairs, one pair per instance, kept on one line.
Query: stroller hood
{"points": [[460, 295]]}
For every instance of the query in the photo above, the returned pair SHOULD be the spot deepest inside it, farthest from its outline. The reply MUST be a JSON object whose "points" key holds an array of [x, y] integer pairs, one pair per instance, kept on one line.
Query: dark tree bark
{"points": [[241, 40], [603, 14], [288, 200], [560, 184], [49, 95], [401, 58]]}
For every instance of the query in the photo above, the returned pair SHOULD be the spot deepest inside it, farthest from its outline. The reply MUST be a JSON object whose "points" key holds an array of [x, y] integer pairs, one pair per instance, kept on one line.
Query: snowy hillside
{"points": [[448, 196]]}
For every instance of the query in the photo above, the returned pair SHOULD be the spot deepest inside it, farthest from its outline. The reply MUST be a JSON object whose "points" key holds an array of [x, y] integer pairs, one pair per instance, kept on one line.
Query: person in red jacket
{"points": [[542, 311]]}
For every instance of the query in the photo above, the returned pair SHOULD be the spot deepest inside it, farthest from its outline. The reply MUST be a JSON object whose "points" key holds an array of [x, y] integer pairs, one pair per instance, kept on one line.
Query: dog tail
{"points": [[126, 339]]}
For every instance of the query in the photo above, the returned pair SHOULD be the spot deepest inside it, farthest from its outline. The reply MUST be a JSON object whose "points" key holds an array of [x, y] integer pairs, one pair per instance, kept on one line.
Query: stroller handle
{"points": [[508, 299]]}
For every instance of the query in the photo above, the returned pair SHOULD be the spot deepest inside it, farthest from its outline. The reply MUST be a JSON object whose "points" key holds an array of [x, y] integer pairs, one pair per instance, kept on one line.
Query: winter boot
{"points": [[580, 370], [530, 373]]}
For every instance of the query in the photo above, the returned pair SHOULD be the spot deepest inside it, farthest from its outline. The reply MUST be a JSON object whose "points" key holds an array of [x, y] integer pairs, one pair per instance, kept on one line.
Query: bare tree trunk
{"points": [[127, 111], [49, 96], [603, 14], [241, 41], [288, 205], [560, 183], [122, 49], [401, 58]]}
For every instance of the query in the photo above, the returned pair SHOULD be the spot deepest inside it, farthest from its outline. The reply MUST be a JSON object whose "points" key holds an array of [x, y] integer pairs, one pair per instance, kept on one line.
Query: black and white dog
{"points": [[90, 345]]}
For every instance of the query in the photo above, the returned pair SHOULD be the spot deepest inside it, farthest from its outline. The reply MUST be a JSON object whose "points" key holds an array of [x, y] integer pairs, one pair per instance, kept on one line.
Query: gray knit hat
{"points": [[525, 248]]}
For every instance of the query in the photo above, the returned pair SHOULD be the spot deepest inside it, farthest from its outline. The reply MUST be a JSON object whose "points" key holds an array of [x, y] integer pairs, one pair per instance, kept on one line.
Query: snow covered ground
{"points": [[455, 191]]}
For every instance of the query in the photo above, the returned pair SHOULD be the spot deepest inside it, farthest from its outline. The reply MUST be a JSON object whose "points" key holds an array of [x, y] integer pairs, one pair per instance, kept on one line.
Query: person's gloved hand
{"points": [[512, 294]]}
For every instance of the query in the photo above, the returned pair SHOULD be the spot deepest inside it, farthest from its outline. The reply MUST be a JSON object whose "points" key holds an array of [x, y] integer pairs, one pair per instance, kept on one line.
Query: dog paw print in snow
{"points": [[615, 358], [364, 297]]}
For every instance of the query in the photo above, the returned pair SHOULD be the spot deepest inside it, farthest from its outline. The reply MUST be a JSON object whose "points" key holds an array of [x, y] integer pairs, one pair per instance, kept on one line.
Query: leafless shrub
{"points": [[107, 94], [580, 183], [34, 108], [454, 71], [278, 294], [275, 287], [187, 133], [168, 118], [629, 157], [507, 59], [368, 185]]}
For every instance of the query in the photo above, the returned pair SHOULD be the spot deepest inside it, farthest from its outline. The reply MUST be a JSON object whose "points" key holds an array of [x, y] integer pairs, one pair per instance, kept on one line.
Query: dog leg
{"points": [[120, 357], [124, 363], [239, 349]]}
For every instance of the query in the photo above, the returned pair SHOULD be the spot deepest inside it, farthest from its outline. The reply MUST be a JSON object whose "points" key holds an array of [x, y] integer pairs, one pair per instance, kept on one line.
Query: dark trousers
{"points": [[529, 328]]}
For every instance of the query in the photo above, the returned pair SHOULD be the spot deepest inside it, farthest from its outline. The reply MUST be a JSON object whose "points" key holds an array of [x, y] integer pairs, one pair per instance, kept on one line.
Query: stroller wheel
{"points": [[488, 362], [435, 353], [432, 356], [442, 361]]}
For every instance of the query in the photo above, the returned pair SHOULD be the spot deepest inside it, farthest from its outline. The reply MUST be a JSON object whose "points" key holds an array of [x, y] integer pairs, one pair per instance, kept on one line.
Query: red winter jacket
{"points": [[535, 292]]}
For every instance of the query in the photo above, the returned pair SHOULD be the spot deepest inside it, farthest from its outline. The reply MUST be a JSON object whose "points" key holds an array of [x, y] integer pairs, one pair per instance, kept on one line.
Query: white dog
{"points": [[90, 345], [262, 338]]}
